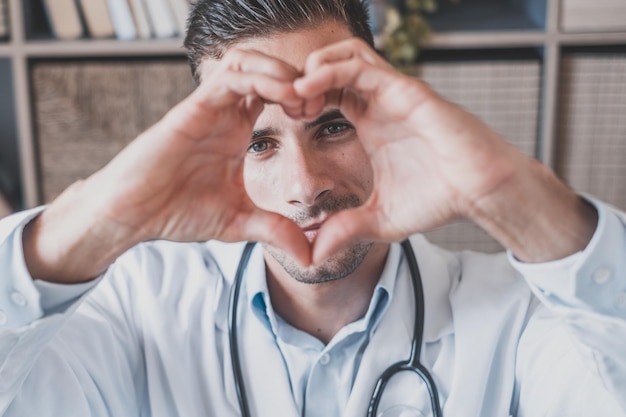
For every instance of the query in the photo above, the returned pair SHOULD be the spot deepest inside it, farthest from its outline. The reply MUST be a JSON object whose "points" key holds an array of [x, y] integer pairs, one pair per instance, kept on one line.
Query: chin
{"points": [[338, 266]]}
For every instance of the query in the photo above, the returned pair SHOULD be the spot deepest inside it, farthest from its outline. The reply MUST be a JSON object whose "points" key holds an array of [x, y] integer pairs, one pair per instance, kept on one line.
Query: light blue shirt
{"points": [[321, 375]]}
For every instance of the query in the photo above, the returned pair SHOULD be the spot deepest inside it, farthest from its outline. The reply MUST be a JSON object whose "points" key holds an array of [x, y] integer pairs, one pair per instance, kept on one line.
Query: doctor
{"points": [[300, 136]]}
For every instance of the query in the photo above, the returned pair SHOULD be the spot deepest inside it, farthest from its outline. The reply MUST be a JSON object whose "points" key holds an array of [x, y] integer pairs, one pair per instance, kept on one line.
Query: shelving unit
{"points": [[533, 23], [25, 46], [528, 31]]}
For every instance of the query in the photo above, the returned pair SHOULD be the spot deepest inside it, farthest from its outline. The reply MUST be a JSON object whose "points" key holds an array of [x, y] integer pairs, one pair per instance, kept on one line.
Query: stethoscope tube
{"points": [[233, 302], [412, 364]]}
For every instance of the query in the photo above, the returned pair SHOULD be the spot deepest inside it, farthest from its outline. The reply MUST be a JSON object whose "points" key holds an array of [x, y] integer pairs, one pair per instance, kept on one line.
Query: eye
{"points": [[259, 146], [335, 129]]}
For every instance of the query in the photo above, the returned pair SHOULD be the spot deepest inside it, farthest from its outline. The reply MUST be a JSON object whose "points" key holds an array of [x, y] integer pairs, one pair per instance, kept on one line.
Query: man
{"points": [[300, 136]]}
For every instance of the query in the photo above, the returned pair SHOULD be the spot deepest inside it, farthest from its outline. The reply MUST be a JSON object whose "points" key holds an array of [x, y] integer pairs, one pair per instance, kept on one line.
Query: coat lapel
{"points": [[266, 379], [491, 293]]}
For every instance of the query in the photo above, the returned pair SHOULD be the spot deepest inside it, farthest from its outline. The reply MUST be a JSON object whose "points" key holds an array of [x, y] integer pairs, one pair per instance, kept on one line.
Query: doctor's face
{"points": [[307, 171]]}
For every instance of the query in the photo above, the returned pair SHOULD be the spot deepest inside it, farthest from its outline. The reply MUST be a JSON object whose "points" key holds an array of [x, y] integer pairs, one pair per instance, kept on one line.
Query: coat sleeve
{"points": [[576, 339], [61, 353]]}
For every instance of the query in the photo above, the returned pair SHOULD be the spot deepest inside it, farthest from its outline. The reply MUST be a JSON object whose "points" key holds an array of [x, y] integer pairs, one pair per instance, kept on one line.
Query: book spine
{"points": [[4, 19], [5, 207], [64, 18], [122, 19], [5, 187], [142, 22], [180, 10], [97, 18], [161, 17]]}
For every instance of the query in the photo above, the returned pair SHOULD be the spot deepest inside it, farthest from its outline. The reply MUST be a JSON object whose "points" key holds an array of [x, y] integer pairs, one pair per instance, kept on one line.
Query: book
{"points": [[140, 16], [5, 207], [97, 18], [122, 19], [86, 112], [161, 18], [5, 187], [64, 19], [180, 9], [4, 19], [36, 21]]}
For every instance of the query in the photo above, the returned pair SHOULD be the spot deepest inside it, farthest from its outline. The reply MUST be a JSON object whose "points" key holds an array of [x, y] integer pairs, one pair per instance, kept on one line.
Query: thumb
{"points": [[341, 229], [280, 232]]}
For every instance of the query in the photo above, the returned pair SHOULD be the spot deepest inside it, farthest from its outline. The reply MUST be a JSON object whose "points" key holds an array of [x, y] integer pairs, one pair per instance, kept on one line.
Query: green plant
{"points": [[405, 30]]}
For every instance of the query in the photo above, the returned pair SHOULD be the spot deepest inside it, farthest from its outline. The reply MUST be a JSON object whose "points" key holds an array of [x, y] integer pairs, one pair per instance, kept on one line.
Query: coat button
{"points": [[325, 359], [601, 276], [18, 299]]}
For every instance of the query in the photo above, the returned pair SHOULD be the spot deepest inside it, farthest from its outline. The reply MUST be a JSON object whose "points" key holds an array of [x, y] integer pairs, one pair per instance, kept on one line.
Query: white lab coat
{"points": [[151, 340]]}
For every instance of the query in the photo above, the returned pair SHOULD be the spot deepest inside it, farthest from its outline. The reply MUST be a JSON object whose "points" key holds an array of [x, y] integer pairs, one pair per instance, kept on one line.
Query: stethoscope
{"points": [[412, 364]]}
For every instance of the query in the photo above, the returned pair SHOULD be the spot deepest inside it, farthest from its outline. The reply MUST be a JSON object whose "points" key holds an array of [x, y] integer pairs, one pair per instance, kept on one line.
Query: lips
{"points": [[311, 231]]}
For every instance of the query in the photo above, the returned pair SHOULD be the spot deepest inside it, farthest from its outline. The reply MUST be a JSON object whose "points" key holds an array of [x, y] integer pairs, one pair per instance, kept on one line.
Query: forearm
{"points": [[535, 215], [70, 241]]}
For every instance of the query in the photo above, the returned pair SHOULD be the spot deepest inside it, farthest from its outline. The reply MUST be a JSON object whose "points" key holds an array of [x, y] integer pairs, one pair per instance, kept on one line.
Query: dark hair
{"points": [[215, 25]]}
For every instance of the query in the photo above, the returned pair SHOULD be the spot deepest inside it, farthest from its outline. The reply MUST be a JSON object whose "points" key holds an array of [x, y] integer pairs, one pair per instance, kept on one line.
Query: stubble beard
{"points": [[339, 265]]}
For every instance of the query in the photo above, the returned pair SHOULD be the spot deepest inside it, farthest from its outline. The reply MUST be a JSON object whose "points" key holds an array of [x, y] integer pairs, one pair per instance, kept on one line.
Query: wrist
{"points": [[536, 216]]}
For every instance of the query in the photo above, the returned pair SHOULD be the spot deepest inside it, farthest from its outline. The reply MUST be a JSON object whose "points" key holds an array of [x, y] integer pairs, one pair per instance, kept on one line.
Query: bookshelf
{"points": [[537, 36]]}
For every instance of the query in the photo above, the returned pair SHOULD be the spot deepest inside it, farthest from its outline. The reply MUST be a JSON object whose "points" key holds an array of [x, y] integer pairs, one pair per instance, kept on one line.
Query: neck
{"points": [[322, 309]]}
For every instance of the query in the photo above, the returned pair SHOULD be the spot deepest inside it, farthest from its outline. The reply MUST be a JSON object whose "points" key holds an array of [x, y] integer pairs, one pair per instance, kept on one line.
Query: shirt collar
{"points": [[258, 298]]}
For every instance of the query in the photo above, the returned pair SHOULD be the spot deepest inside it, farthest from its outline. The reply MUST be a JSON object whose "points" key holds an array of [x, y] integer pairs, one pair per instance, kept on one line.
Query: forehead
{"points": [[294, 47]]}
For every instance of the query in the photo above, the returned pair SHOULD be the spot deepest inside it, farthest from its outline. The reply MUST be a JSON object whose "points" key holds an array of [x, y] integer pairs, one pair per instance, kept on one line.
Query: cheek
{"points": [[359, 170], [260, 184]]}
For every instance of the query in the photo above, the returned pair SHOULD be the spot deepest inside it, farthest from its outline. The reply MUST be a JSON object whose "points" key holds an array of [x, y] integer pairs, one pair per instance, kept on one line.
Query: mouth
{"points": [[311, 231]]}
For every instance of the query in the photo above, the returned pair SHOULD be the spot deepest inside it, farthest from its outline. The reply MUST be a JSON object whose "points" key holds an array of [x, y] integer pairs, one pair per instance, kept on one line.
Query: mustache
{"points": [[328, 205]]}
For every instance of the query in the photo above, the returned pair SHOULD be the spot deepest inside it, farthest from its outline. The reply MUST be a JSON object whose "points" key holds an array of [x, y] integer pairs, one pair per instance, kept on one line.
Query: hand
{"points": [[428, 155], [181, 180], [433, 162]]}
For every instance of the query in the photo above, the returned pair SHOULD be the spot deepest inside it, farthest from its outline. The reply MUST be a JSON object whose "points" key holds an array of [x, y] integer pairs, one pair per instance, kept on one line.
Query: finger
{"points": [[234, 85], [341, 229], [313, 107], [397, 96], [343, 51], [354, 73], [251, 61], [255, 105], [233, 72], [352, 50], [280, 232]]}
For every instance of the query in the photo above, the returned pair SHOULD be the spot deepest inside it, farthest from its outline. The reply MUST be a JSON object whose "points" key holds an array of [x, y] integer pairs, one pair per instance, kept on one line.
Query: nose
{"points": [[307, 176]]}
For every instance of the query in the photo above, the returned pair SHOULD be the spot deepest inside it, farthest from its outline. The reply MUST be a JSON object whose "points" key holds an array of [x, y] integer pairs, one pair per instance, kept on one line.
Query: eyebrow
{"points": [[269, 131], [324, 118]]}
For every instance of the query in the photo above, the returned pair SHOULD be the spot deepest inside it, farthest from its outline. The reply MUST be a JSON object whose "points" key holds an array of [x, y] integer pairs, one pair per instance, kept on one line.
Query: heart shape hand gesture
{"points": [[183, 179]]}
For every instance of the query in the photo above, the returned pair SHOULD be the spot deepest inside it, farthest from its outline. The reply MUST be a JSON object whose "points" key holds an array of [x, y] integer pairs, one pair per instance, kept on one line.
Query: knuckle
{"points": [[314, 60]]}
